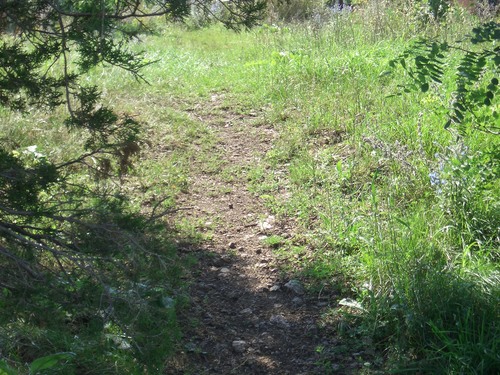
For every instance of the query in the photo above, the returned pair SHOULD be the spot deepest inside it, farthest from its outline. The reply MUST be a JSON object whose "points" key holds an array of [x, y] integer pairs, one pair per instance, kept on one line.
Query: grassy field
{"points": [[394, 210]]}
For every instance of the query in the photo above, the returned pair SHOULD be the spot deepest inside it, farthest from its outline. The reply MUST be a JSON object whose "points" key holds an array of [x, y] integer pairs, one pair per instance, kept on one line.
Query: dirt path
{"points": [[243, 319]]}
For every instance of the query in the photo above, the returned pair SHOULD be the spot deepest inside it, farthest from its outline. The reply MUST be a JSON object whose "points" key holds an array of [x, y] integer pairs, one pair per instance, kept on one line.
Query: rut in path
{"points": [[242, 318]]}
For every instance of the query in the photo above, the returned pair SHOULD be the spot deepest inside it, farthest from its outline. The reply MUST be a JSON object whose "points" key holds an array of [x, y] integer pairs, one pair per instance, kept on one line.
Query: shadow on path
{"points": [[242, 318]]}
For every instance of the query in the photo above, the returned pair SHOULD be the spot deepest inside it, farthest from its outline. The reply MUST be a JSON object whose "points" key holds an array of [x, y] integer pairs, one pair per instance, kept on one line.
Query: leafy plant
{"points": [[474, 100], [39, 364]]}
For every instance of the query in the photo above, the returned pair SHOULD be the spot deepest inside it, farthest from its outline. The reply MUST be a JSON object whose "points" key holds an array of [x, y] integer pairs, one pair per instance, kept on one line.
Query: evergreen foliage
{"points": [[80, 270]]}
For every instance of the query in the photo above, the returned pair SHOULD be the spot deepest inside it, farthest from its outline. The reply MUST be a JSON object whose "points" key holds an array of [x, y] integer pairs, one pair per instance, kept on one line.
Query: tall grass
{"points": [[361, 177], [387, 199]]}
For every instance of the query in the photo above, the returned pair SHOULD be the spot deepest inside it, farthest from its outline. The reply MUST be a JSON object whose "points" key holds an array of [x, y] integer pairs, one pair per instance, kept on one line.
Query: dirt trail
{"points": [[242, 318]]}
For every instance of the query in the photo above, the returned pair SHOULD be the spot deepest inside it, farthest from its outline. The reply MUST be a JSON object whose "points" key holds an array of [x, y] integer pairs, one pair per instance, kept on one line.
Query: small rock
{"points": [[295, 286], [267, 223], [239, 346], [297, 301], [232, 245], [275, 288], [231, 206], [241, 249], [246, 311], [279, 320], [224, 270]]}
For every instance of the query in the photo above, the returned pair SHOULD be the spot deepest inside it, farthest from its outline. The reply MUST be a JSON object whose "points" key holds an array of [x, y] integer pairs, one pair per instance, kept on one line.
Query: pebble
{"points": [[224, 270], [275, 288], [297, 301], [246, 311], [295, 286], [232, 245], [239, 346], [279, 320], [267, 223]]}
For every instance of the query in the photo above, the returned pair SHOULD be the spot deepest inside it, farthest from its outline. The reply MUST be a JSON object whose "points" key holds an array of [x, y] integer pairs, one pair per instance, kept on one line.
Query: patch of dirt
{"points": [[242, 318]]}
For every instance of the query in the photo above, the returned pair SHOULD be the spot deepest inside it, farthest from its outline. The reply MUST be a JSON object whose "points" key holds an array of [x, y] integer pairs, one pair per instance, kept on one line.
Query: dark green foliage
{"points": [[476, 75]]}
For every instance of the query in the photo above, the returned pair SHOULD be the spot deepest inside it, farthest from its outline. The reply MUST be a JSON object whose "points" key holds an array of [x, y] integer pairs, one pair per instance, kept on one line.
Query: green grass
{"points": [[354, 163], [356, 166]]}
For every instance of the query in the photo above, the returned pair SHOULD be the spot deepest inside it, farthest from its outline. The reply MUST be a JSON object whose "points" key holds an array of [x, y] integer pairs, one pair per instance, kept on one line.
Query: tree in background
{"points": [[69, 245]]}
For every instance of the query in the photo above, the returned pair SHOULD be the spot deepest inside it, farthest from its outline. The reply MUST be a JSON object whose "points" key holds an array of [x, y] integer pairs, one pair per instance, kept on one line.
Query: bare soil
{"points": [[242, 319]]}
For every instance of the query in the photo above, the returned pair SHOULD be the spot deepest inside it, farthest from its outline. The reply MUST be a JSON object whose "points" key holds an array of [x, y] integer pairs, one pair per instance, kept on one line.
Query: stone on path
{"points": [[275, 288], [239, 346], [295, 286], [280, 320]]}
